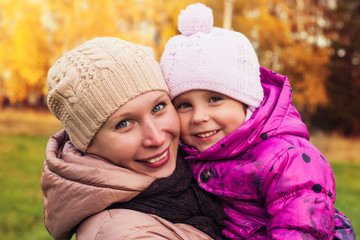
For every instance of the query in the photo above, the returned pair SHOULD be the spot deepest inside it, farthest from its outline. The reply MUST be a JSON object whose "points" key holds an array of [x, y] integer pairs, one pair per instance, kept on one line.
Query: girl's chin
{"points": [[203, 146]]}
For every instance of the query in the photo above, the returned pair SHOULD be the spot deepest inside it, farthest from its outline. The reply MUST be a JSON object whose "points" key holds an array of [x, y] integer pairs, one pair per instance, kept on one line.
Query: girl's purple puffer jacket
{"points": [[273, 182]]}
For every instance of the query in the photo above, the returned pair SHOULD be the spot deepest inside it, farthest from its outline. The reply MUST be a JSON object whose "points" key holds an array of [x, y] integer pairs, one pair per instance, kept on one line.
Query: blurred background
{"points": [[314, 42]]}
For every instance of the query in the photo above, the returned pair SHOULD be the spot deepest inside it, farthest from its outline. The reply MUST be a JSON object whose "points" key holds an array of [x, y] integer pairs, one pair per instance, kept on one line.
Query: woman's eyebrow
{"points": [[121, 115], [157, 99]]}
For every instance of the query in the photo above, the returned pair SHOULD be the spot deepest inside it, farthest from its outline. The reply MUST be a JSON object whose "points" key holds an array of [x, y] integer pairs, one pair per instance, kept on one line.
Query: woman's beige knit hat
{"points": [[90, 82]]}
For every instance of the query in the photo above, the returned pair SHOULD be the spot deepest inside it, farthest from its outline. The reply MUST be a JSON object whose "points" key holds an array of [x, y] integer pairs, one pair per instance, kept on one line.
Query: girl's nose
{"points": [[154, 136], [200, 115]]}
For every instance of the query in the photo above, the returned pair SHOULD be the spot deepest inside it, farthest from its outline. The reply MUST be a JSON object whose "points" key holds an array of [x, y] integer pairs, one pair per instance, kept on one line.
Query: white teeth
{"points": [[208, 134], [157, 158]]}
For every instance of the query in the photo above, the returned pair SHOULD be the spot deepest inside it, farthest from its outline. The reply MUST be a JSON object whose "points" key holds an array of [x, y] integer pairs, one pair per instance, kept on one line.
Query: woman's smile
{"points": [[158, 161]]}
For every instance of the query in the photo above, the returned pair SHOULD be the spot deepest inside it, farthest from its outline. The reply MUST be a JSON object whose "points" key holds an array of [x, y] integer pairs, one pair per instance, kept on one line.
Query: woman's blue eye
{"points": [[158, 107], [123, 124]]}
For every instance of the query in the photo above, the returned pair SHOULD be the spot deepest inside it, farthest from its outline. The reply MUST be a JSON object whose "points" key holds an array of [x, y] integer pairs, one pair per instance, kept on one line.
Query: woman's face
{"points": [[142, 135]]}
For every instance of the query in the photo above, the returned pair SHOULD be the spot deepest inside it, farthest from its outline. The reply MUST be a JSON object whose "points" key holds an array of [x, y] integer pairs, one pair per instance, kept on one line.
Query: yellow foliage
{"points": [[281, 32], [35, 33], [24, 49]]}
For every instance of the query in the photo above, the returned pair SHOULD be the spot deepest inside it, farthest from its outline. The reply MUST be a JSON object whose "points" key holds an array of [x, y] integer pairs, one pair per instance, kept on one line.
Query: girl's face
{"points": [[142, 135], [206, 117]]}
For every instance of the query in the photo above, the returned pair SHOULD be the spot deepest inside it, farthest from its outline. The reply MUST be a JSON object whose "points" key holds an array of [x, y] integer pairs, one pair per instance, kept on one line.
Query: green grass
{"points": [[21, 215], [347, 176]]}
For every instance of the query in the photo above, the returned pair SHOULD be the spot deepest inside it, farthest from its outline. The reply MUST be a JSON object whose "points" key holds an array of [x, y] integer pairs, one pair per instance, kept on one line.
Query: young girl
{"points": [[245, 140], [113, 172]]}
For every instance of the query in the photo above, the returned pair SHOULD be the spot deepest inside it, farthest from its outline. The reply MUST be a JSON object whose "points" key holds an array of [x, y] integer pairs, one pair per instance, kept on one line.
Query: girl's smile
{"points": [[206, 134]]}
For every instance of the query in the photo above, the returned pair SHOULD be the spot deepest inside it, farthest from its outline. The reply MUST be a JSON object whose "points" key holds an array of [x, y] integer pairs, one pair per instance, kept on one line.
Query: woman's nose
{"points": [[154, 136]]}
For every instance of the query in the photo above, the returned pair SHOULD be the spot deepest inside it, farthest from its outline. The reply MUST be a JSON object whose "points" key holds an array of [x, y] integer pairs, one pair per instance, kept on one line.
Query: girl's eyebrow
{"points": [[178, 99], [211, 93], [217, 93]]}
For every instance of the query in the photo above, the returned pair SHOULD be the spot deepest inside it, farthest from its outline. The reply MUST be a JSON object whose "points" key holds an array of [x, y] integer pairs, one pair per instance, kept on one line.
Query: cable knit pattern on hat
{"points": [[90, 82], [204, 57]]}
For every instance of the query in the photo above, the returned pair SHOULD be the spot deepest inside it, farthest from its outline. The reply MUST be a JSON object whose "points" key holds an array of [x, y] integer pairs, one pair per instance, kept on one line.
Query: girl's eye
{"points": [[183, 105], [123, 124], [158, 107], [215, 99]]}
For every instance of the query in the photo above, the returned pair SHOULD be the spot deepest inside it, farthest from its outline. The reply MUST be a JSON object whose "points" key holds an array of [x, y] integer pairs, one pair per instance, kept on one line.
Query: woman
{"points": [[113, 173]]}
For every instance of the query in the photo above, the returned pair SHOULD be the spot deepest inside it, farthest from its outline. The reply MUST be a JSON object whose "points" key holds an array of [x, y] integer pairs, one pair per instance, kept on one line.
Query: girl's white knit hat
{"points": [[92, 81], [204, 57]]}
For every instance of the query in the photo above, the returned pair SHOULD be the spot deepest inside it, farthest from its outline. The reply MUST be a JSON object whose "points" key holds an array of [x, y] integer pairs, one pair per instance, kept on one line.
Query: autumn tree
{"points": [[343, 85], [305, 59], [23, 50], [3, 35]]}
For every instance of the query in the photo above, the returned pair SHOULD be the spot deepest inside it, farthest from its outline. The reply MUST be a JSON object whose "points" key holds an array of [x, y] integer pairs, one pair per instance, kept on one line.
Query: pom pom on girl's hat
{"points": [[204, 57], [196, 18]]}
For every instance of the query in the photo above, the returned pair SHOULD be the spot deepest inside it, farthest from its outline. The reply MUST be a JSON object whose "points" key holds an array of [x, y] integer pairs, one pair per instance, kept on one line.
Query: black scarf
{"points": [[179, 199]]}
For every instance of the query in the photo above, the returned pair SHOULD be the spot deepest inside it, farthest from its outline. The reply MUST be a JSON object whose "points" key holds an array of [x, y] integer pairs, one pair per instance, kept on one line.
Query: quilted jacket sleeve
{"points": [[116, 224], [299, 192]]}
